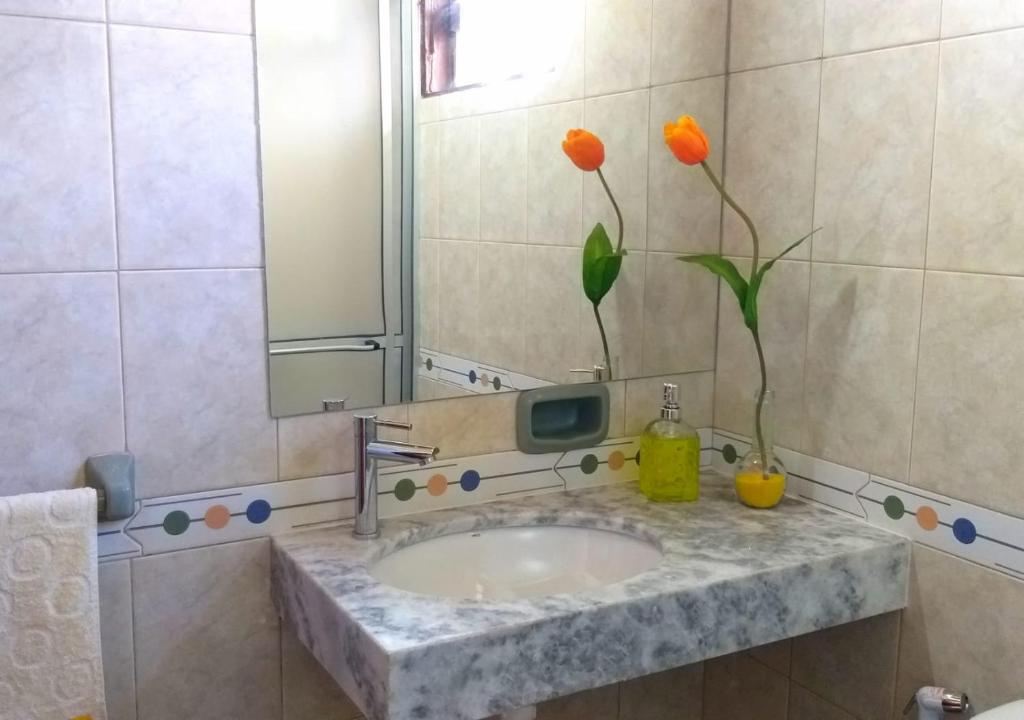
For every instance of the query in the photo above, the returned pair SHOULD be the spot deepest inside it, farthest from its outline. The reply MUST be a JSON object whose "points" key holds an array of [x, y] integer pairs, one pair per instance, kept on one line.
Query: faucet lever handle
{"points": [[393, 424]]}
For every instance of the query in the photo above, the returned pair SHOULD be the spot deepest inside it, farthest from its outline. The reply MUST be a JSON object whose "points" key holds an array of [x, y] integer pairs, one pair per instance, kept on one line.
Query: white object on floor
{"points": [[1010, 711], [50, 661]]}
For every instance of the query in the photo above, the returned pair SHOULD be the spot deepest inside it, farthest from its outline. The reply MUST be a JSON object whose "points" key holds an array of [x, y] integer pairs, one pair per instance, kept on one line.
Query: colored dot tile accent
{"points": [[258, 511], [437, 485], [964, 531], [217, 517], [429, 363], [405, 489], [927, 518], [893, 507], [496, 383], [616, 460], [176, 522], [484, 379], [588, 464], [472, 377], [636, 457], [470, 480], [729, 453]]}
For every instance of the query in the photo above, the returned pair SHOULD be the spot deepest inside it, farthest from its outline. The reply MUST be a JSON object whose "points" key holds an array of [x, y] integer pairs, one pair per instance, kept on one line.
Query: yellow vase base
{"points": [[757, 491]]}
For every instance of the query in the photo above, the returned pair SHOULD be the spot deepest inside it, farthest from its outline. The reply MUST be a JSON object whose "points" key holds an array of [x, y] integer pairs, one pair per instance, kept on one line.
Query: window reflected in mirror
{"points": [[469, 43]]}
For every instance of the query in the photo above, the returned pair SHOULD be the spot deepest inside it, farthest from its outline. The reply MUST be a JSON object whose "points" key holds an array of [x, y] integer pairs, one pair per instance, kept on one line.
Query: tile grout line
{"points": [[721, 204], [117, 223], [120, 23], [924, 274]]}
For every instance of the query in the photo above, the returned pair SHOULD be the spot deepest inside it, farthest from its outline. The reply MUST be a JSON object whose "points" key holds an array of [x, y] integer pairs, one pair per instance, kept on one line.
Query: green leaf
{"points": [[724, 269], [601, 265], [750, 306]]}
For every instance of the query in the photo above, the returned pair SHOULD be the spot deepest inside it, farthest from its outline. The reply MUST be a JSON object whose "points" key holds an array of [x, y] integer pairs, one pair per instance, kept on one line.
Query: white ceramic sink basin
{"points": [[510, 563]]}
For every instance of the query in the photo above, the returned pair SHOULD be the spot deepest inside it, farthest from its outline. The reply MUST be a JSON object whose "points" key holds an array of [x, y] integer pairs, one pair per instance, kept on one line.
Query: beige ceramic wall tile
{"points": [[184, 110], [428, 178], [621, 313], [61, 377], [206, 634], [675, 694], [963, 628], [771, 136], [621, 121], [684, 209], [323, 444], [969, 388], [466, 426], [234, 16], [736, 686], [860, 368], [617, 46], [644, 399], [977, 218], [679, 316], [962, 17], [875, 157], [459, 201], [552, 312], [599, 704], [855, 25], [58, 199], [805, 705], [852, 665], [502, 299], [773, 32], [73, 9], [427, 299], [688, 39], [308, 692], [195, 369], [458, 297], [782, 308], [117, 640], [554, 186], [503, 177]]}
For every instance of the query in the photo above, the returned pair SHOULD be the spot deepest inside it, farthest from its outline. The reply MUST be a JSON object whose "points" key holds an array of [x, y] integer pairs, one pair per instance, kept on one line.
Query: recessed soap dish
{"points": [[561, 417]]}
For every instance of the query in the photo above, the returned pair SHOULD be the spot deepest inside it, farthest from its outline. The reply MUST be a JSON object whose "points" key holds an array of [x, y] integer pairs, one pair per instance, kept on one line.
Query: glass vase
{"points": [[760, 476]]}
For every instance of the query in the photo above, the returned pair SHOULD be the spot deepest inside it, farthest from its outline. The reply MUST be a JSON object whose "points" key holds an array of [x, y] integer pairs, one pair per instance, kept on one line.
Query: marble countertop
{"points": [[731, 578]]}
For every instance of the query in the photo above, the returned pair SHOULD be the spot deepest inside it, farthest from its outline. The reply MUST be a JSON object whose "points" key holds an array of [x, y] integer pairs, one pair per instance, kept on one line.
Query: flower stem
{"points": [[604, 341], [618, 213], [739, 211], [758, 429], [758, 422]]}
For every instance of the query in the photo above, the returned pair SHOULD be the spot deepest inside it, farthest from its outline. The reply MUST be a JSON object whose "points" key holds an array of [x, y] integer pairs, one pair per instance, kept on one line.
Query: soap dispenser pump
{"points": [[670, 454]]}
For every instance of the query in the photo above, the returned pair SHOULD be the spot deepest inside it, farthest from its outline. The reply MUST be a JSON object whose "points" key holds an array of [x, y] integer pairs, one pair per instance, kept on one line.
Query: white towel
{"points": [[50, 661]]}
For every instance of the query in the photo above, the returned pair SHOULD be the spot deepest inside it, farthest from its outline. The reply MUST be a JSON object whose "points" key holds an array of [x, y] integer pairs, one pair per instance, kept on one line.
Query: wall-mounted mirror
{"points": [[423, 245]]}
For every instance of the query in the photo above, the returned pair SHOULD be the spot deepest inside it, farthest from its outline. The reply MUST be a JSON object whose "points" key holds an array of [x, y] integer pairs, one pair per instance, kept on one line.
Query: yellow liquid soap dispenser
{"points": [[670, 455]]}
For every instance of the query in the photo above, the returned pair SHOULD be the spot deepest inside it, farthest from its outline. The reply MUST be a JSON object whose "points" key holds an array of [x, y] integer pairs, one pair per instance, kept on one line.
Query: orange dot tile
{"points": [[217, 517], [616, 460], [437, 485], [927, 518]]}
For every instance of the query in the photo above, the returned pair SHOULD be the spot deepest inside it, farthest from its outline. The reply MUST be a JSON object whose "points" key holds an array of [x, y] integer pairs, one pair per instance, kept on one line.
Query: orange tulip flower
{"points": [[585, 149], [687, 140]]}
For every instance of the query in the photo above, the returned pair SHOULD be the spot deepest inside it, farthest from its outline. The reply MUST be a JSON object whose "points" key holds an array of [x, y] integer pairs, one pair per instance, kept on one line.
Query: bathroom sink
{"points": [[508, 563]]}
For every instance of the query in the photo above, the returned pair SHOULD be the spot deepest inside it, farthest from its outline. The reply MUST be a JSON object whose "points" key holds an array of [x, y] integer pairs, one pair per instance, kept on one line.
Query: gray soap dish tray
{"points": [[561, 417]]}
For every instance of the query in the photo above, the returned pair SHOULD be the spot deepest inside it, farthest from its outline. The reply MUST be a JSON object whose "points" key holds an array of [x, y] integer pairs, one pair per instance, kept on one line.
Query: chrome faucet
{"points": [[368, 451]]}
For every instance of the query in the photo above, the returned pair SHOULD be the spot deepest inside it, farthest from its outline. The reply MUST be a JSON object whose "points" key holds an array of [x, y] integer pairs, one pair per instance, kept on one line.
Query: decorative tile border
{"points": [[180, 522], [968, 531], [472, 376]]}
